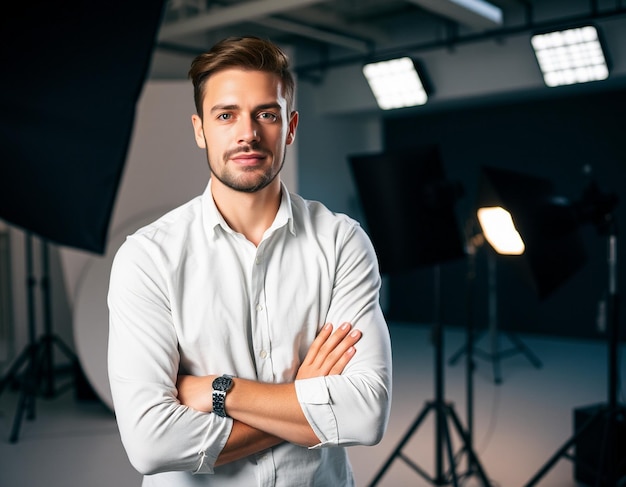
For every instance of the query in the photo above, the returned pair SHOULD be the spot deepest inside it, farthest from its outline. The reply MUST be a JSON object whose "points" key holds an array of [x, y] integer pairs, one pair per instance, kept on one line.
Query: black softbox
{"points": [[546, 221], [70, 75], [409, 207]]}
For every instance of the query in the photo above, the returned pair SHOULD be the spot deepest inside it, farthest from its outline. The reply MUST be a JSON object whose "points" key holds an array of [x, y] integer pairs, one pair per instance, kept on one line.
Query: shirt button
{"points": [[263, 354], [259, 307], [257, 261]]}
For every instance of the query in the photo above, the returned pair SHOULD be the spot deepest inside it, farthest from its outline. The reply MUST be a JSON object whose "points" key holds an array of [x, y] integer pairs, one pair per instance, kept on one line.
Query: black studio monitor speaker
{"points": [[588, 451]]}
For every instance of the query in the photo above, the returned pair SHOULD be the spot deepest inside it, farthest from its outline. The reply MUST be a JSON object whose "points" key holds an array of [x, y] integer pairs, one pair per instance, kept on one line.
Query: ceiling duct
{"points": [[477, 14]]}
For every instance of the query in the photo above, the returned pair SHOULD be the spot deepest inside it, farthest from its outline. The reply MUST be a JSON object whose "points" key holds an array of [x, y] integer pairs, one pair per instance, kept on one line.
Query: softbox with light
{"points": [[72, 73], [409, 207], [547, 223]]}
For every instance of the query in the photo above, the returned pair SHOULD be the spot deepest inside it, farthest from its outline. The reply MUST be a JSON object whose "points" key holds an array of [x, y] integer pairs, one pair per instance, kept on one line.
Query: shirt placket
{"points": [[262, 349], [259, 315]]}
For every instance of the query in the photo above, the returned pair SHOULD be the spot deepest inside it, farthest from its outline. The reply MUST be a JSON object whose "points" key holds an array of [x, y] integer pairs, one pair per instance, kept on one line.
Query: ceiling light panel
{"points": [[570, 56], [395, 83]]}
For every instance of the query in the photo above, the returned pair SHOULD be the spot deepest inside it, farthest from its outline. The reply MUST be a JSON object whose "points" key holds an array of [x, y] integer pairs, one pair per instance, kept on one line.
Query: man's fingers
{"points": [[333, 352], [315, 347], [332, 346], [342, 362], [330, 351], [325, 342]]}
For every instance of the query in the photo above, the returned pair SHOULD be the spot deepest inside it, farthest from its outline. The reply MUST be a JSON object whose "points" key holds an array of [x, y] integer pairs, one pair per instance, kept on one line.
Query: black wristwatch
{"points": [[221, 386]]}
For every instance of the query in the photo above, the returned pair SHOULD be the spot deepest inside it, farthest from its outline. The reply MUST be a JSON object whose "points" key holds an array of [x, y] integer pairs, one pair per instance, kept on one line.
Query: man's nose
{"points": [[249, 132]]}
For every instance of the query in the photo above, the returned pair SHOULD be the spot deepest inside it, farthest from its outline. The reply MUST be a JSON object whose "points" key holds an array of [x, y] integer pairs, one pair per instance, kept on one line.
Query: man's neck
{"points": [[250, 214]]}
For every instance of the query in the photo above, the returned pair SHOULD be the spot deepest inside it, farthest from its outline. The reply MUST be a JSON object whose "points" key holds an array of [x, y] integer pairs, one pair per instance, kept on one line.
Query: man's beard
{"points": [[243, 184]]}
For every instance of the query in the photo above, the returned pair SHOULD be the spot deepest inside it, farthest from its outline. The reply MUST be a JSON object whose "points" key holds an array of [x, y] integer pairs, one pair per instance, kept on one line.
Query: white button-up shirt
{"points": [[190, 295]]}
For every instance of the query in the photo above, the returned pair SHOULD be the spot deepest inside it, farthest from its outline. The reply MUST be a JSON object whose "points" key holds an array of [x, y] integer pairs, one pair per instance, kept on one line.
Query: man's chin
{"points": [[250, 180], [248, 186]]}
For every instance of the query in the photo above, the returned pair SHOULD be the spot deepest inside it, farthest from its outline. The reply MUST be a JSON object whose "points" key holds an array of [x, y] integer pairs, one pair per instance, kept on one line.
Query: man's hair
{"points": [[251, 53]]}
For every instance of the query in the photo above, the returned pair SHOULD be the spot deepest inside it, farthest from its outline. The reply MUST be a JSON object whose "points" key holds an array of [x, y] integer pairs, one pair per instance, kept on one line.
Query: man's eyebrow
{"points": [[264, 106], [268, 106], [217, 108]]}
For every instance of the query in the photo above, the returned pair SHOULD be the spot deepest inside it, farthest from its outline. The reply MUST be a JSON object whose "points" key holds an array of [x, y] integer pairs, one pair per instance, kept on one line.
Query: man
{"points": [[235, 319]]}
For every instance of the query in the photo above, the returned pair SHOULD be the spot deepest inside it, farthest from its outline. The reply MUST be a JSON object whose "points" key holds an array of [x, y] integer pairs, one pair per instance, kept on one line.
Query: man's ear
{"points": [[198, 133], [293, 125]]}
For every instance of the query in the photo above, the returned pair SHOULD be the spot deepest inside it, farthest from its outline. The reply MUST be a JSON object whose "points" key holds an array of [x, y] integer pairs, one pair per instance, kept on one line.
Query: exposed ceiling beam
{"points": [[313, 33], [226, 16], [478, 14], [330, 20]]}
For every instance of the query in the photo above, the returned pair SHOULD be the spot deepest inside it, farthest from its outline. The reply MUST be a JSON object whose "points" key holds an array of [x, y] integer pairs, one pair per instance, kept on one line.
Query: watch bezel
{"points": [[221, 385]]}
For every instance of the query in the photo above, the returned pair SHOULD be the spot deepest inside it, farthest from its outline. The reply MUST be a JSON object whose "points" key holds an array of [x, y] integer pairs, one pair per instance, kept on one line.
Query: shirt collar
{"points": [[213, 218]]}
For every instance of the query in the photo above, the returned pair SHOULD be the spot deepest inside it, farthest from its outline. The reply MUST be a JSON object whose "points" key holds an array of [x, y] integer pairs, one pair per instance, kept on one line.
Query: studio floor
{"points": [[518, 424]]}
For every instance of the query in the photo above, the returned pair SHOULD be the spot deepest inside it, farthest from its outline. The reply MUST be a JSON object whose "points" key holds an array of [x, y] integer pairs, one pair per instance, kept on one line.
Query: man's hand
{"points": [[330, 352]]}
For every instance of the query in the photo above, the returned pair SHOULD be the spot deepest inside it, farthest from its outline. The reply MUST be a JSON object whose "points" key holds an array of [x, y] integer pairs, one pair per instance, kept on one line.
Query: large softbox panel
{"points": [[546, 221], [72, 73], [409, 207]]}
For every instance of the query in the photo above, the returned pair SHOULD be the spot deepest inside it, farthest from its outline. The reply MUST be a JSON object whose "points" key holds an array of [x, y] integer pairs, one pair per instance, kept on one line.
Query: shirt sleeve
{"points": [[353, 408], [158, 433]]}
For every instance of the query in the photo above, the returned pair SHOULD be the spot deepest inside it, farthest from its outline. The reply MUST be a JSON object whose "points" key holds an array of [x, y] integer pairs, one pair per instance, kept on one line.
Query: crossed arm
{"points": [[268, 414]]}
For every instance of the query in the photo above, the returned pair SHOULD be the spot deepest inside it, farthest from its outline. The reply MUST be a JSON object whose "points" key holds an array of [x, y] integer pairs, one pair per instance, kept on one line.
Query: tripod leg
{"points": [[403, 442], [14, 369], [525, 350], [473, 458], [448, 440], [457, 355], [562, 451], [454, 358], [64, 348], [17, 421], [26, 402]]}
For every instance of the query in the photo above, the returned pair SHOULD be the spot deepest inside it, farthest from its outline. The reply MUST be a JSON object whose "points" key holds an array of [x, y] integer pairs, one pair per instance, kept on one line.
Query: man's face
{"points": [[245, 128]]}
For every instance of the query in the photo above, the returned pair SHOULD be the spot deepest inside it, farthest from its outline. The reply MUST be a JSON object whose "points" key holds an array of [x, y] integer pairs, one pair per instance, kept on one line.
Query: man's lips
{"points": [[248, 158]]}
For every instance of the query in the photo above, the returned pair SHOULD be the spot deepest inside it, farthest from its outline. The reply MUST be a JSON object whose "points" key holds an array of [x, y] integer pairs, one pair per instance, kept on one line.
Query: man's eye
{"points": [[268, 116], [224, 116]]}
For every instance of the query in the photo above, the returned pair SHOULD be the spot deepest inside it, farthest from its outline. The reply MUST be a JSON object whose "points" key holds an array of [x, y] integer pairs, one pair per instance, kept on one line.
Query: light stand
{"points": [[28, 357], [474, 241], [33, 370], [444, 412], [409, 208], [472, 468], [607, 415], [495, 355], [49, 338]]}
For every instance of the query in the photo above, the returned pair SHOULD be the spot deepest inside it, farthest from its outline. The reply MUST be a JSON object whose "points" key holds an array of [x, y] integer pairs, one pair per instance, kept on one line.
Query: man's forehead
{"points": [[233, 86], [233, 77]]}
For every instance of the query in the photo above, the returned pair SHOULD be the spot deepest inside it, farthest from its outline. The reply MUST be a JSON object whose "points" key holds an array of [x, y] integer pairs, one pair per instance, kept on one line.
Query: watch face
{"points": [[222, 383]]}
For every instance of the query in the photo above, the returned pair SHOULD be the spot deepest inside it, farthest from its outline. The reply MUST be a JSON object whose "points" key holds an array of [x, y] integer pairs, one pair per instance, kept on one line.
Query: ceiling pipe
{"points": [[558, 24]]}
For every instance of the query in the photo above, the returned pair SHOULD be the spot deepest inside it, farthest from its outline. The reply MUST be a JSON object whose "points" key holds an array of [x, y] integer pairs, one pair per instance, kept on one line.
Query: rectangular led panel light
{"points": [[570, 56], [395, 83]]}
